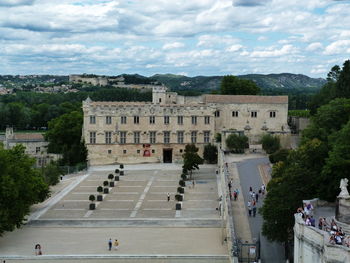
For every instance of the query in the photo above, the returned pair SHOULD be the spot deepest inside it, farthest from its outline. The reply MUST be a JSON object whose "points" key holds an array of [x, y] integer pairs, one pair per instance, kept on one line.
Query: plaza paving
{"points": [[135, 211]]}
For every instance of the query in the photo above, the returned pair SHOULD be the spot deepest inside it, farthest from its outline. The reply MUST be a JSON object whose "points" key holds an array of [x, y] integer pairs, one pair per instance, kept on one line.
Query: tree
{"points": [[210, 153], [270, 143], [64, 136], [191, 159], [237, 143], [21, 186], [235, 86], [51, 173], [279, 156], [337, 164], [293, 180]]}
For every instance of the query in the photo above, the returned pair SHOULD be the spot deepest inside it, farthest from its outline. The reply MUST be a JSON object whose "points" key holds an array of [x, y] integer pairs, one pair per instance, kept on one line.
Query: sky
{"points": [[187, 37]]}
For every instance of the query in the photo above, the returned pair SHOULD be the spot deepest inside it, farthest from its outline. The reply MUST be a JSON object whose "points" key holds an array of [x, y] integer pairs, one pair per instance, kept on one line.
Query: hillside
{"points": [[265, 82]]}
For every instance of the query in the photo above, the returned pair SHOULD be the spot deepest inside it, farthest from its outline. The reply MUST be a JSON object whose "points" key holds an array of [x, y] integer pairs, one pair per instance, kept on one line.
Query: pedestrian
{"points": [[193, 184], [263, 189], [229, 186], [254, 208], [168, 197], [110, 244], [257, 197], [249, 208], [38, 250], [116, 244], [250, 189], [235, 195]]}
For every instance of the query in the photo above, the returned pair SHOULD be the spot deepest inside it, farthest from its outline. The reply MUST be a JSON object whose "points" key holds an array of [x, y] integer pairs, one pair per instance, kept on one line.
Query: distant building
{"points": [[34, 143], [157, 131]]}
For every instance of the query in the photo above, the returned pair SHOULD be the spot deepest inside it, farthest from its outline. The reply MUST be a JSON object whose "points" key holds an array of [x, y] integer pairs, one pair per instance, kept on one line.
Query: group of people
{"points": [[115, 244], [254, 199], [233, 194], [337, 235]]}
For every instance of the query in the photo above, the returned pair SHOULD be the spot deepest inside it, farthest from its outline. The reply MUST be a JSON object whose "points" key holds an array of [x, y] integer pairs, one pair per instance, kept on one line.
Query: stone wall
{"points": [[311, 245]]}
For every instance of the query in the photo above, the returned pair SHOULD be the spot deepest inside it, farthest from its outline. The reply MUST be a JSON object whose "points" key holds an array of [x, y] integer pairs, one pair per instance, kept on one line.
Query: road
{"points": [[250, 176]]}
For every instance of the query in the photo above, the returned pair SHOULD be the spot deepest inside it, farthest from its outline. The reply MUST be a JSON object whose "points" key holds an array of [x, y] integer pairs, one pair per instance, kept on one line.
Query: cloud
{"points": [[234, 48], [338, 47], [314, 46], [173, 45], [16, 2], [249, 2], [272, 52]]}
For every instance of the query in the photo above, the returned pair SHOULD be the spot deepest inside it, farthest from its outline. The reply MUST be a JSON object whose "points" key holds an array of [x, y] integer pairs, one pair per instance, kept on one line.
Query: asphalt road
{"points": [[250, 177]]}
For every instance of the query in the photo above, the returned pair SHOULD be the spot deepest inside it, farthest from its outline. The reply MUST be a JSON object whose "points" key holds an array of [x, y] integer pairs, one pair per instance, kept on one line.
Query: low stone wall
{"points": [[311, 245]]}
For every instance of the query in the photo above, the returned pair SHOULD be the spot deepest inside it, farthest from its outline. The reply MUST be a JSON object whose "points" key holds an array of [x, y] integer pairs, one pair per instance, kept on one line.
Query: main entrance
{"points": [[167, 155]]}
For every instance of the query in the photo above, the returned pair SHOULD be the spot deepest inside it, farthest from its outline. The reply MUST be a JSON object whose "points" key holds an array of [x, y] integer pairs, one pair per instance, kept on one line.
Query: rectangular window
{"points": [[193, 137], [206, 136], [206, 119], [152, 137], [254, 114], [123, 137], [124, 151], [235, 114], [217, 113], [272, 114], [92, 119], [136, 137], [194, 120], [37, 149], [108, 137], [136, 119], [152, 119], [123, 119], [166, 137], [92, 137], [180, 120], [180, 137], [109, 151], [166, 119], [108, 119]]}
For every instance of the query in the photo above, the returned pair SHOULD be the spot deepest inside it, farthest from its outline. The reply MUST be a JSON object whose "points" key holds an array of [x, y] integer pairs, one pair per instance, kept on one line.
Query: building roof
{"points": [[243, 99], [28, 137]]}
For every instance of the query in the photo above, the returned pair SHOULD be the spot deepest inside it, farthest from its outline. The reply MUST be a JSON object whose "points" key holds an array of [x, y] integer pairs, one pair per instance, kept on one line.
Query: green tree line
{"points": [[315, 168], [29, 110]]}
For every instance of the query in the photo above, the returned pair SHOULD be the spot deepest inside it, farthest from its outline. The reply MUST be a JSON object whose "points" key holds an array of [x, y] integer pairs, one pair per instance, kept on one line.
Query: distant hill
{"points": [[265, 82]]}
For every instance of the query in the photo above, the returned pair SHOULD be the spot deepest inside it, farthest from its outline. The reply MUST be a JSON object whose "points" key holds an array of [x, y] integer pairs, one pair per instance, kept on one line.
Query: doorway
{"points": [[167, 155]]}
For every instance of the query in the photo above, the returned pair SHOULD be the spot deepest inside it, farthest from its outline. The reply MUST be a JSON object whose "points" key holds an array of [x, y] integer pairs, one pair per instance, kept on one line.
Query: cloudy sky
{"points": [[189, 37]]}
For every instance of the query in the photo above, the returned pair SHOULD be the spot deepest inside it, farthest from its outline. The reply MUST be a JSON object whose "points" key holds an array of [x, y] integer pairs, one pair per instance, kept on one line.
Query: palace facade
{"points": [[157, 131]]}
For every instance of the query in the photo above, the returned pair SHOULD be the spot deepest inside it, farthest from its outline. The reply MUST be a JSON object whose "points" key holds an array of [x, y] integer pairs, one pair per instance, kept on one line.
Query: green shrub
{"points": [[105, 183], [92, 198], [270, 143], [182, 183], [237, 143], [100, 189], [279, 156], [210, 153], [184, 177]]}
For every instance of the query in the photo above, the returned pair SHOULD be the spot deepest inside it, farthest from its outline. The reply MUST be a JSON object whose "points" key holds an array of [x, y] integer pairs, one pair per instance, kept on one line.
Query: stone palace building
{"points": [[157, 131]]}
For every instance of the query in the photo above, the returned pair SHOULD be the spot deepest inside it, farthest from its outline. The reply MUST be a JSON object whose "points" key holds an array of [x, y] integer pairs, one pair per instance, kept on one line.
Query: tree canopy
{"points": [[21, 186], [231, 85], [237, 143], [191, 159], [315, 168], [210, 153], [64, 137]]}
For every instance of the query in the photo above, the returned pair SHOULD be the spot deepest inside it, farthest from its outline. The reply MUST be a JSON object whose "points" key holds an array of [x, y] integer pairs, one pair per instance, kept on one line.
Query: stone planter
{"points": [[111, 184], [105, 190], [178, 206], [100, 198], [116, 178], [92, 206], [121, 173]]}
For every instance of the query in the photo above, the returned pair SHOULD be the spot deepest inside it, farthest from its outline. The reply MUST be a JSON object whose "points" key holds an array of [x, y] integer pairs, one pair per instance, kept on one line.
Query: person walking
{"points": [[249, 208], [254, 208], [38, 250], [110, 244], [257, 197], [168, 197], [116, 244], [193, 184]]}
